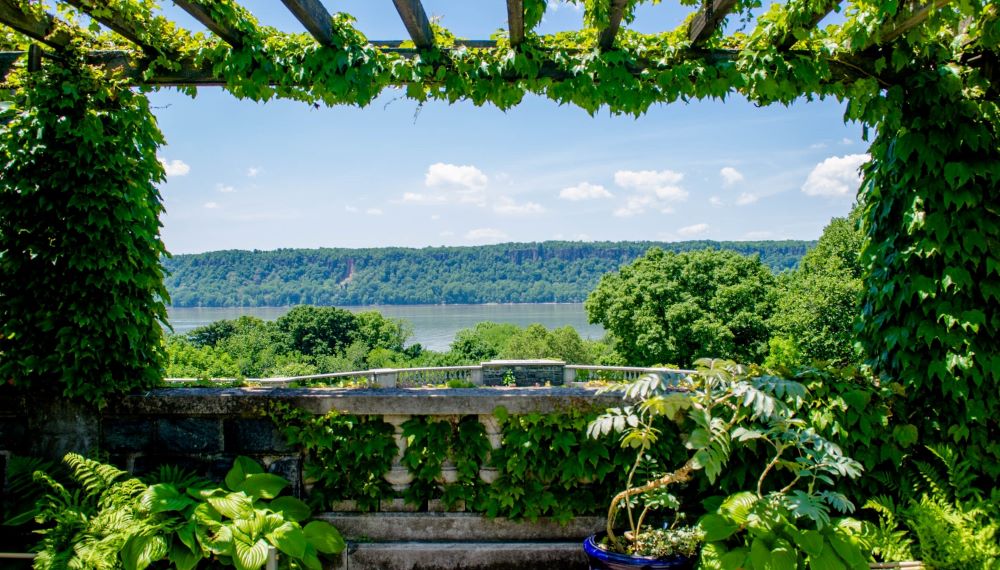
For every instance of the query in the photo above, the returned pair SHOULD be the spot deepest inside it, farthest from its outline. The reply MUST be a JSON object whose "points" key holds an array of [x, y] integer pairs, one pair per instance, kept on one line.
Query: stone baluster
{"points": [[495, 437], [398, 476]]}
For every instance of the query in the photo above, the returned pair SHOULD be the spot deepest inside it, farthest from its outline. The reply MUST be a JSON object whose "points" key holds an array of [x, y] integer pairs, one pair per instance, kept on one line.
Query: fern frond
{"points": [[960, 477], [93, 477]]}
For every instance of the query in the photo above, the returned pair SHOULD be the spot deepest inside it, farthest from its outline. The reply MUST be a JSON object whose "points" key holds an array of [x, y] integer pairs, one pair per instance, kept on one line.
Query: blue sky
{"points": [[243, 175]]}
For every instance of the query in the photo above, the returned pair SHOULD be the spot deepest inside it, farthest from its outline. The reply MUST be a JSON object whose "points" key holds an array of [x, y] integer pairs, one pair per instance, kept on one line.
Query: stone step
{"points": [[466, 555]]}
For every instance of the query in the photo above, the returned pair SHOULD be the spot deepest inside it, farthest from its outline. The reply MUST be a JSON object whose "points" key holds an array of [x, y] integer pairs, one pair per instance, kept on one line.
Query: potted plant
{"points": [[721, 406]]}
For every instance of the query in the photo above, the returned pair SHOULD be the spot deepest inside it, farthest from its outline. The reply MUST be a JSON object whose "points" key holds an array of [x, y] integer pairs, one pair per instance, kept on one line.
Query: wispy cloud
{"points": [[730, 176], [507, 206], [746, 198], [225, 188], [693, 230], [716, 201], [351, 209], [485, 235], [585, 191], [836, 176], [253, 171], [652, 190], [374, 211], [174, 167], [210, 205]]}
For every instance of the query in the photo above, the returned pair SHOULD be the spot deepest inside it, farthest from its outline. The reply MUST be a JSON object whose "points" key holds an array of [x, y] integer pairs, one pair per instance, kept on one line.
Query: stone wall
{"points": [[204, 429]]}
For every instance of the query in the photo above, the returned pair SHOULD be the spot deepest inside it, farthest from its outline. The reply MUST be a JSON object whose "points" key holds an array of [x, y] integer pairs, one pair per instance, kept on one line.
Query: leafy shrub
{"points": [[105, 520]]}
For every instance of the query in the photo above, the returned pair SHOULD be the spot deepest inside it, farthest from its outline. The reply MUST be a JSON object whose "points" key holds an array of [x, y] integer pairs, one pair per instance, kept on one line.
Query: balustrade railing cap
{"points": [[541, 361]]}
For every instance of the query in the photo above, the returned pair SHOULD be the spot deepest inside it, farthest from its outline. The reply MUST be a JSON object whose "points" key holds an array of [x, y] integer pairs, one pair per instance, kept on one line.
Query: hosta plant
{"points": [[783, 522], [103, 520]]}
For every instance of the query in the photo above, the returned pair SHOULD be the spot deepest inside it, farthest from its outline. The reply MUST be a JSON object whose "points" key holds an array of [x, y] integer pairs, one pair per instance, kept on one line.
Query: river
{"points": [[434, 326]]}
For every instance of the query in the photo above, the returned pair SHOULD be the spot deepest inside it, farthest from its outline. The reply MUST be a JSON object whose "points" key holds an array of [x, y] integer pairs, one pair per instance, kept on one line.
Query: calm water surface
{"points": [[434, 326]]}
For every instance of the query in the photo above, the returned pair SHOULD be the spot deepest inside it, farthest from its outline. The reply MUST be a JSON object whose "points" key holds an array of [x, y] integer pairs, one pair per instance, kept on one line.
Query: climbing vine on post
{"points": [[81, 287]]}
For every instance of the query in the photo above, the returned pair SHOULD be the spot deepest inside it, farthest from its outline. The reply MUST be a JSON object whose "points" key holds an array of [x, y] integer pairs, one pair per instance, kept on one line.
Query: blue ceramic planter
{"points": [[601, 559]]}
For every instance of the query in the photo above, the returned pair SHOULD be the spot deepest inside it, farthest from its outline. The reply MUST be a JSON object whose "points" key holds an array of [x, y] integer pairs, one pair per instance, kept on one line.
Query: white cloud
{"points": [[451, 184], [716, 201], [585, 191], [507, 206], [846, 140], [453, 175], [253, 171], [174, 167], [436, 216], [730, 176], [818, 145], [653, 190], [210, 205], [836, 176], [485, 234], [225, 188], [374, 212], [351, 209], [746, 198], [693, 230]]}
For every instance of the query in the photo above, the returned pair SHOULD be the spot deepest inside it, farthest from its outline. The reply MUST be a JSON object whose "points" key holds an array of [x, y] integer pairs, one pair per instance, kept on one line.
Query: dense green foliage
{"points": [[819, 304], [102, 520], [931, 316], [81, 292], [508, 273], [316, 340], [675, 308], [333, 441]]}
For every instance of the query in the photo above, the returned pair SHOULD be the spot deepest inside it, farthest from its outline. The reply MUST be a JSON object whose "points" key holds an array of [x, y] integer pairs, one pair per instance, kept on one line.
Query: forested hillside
{"points": [[506, 273]]}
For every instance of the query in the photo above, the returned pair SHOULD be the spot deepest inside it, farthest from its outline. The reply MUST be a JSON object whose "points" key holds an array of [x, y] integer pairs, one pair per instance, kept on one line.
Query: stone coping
{"points": [[448, 527], [386, 401]]}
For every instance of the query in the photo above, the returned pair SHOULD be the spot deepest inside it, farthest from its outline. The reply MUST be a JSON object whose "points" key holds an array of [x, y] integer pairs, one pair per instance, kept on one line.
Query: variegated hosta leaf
{"points": [[249, 556], [233, 505]]}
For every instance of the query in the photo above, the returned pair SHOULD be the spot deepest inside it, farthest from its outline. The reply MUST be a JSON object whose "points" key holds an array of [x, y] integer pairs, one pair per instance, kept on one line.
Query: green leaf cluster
{"points": [[102, 519], [332, 441], [433, 444]]}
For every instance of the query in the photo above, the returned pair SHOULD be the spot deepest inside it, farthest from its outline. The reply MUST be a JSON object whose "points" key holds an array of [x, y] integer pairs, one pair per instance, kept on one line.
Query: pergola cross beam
{"points": [[515, 21], [606, 38], [708, 19], [417, 25], [314, 17], [35, 27], [228, 34]]}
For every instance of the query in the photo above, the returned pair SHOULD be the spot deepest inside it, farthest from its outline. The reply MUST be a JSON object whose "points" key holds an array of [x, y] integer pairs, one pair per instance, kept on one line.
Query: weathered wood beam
{"points": [[315, 17], [393, 45], [38, 28], [515, 21], [789, 39], [228, 35], [191, 75], [123, 28], [607, 36], [708, 19], [911, 20], [416, 22]]}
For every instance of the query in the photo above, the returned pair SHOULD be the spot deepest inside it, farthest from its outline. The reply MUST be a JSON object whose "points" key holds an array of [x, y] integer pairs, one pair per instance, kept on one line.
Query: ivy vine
{"points": [[430, 443]]}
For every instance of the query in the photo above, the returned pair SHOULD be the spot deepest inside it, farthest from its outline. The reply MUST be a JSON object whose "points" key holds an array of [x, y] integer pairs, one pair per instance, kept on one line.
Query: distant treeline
{"points": [[551, 271]]}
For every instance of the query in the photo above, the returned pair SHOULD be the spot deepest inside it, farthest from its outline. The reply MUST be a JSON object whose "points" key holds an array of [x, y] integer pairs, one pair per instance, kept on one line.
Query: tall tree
{"points": [[668, 308]]}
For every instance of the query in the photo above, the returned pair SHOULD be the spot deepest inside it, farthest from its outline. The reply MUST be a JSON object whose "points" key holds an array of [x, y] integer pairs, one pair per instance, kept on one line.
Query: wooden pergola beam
{"points": [[123, 28], [416, 22], [515, 21], [314, 17], [189, 74], [708, 19], [911, 20], [228, 35], [607, 36], [37, 28]]}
